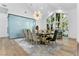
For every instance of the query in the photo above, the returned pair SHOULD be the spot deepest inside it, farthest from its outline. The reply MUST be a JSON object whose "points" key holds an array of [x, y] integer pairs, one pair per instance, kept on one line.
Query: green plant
{"points": [[59, 20], [52, 19], [49, 20]]}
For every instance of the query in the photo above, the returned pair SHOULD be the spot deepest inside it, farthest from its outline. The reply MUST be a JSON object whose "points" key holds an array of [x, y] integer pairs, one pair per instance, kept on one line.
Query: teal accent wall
{"points": [[16, 24]]}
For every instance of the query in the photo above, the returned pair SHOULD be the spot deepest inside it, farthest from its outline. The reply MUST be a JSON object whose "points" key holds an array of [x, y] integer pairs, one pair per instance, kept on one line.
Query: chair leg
{"points": [[55, 43], [31, 41], [36, 42]]}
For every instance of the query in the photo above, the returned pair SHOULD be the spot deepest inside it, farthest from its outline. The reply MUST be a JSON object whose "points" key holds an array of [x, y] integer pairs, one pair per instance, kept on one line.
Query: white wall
{"points": [[78, 22], [3, 24], [41, 23], [72, 16]]}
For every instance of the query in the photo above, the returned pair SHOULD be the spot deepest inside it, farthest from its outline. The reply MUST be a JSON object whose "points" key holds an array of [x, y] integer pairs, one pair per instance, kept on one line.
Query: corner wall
{"points": [[3, 22], [72, 16], [78, 22]]}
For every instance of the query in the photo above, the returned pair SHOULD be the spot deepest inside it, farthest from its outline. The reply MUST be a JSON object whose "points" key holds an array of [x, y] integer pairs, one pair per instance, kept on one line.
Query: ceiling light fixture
{"points": [[37, 15]]}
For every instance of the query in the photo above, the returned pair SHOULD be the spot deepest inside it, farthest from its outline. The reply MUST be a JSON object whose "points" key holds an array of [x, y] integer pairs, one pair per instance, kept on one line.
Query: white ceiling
{"points": [[35, 6], [45, 8]]}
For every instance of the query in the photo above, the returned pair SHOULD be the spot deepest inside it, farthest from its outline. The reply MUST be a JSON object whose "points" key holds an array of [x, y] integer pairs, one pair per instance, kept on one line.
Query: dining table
{"points": [[43, 37]]}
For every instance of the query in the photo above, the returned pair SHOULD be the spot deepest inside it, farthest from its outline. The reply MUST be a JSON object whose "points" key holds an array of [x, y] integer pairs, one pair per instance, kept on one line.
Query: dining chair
{"points": [[30, 37], [55, 36], [53, 39], [36, 38], [26, 34]]}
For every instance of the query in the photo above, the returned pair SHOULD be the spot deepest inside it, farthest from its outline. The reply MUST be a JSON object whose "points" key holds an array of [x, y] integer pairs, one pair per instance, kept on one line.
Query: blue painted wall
{"points": [[16, 24]]}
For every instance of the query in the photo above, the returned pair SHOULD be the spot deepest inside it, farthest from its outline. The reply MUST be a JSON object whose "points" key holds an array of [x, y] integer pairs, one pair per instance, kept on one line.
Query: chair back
{"points": [[55, 35], [26, 34], [29, 33]]}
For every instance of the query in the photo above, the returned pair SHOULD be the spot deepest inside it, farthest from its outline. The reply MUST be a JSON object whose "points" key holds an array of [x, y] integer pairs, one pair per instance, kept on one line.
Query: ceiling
{"points": [[34, 6], [45, 8]]}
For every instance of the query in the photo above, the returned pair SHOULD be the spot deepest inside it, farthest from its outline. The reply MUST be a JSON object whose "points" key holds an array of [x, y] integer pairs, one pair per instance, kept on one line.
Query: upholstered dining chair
{"points": [[26, 34], [53, 39], [36, 39], [55, 36], [30, 37]]}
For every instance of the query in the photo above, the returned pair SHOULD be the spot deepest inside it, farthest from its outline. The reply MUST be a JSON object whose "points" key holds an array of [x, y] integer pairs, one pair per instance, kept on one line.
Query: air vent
{"points": [[3, 10]]}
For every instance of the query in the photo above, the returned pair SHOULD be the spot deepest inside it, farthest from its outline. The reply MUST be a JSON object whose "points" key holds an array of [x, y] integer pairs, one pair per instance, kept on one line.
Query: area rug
{"points": [[38, 50]]}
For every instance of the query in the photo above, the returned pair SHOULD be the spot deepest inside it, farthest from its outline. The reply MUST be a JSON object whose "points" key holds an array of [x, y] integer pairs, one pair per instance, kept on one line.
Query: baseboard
{"points": [[3, 37], [72, 38]]}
